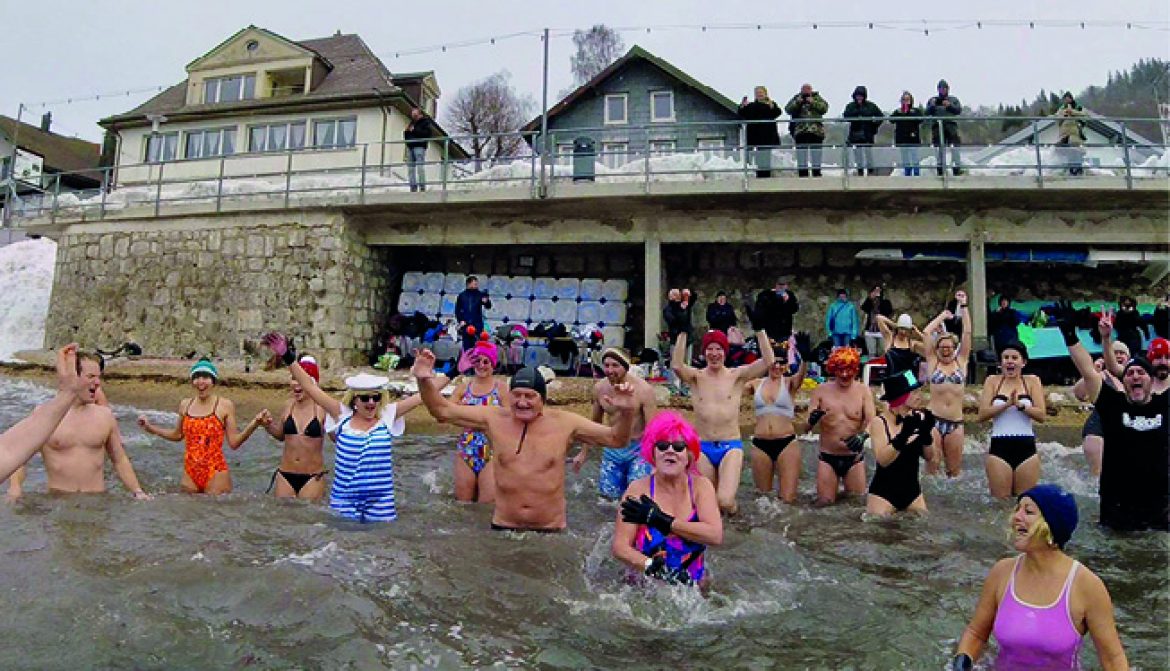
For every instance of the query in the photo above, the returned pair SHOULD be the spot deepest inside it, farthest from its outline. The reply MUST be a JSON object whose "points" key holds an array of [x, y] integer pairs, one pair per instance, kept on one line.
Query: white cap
{"points": [[366, 382], [905, 322]]}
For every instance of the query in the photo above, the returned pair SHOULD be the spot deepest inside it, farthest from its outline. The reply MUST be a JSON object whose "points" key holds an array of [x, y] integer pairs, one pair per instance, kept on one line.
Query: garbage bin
{"points": [[584, 154]]}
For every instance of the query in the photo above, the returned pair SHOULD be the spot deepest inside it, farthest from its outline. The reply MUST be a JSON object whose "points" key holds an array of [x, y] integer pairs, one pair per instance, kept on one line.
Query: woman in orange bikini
{"points": [[204, 422]]}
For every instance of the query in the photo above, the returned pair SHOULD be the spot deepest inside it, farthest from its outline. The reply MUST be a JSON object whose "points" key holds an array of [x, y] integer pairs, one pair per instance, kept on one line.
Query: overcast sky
{"points": [[77, 49]]}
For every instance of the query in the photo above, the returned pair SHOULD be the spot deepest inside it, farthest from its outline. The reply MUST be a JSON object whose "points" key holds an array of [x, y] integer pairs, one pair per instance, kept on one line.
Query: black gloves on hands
{"points": [[1066, 318], [646, 512], [672, 576], [815, 416], [856, 442], [804, 346]]}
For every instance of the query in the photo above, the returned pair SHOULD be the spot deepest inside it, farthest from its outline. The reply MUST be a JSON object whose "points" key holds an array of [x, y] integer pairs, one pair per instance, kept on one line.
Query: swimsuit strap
{"points": [[885, 423]]}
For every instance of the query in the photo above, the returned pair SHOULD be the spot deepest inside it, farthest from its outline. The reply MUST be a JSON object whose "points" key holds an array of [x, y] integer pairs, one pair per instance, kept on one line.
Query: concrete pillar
{"points": [[977, 291], [652, 293]]}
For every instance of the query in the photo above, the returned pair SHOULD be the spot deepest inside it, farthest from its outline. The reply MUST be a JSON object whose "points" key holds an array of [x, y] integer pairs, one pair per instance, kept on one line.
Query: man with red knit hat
{"points": [[843, 407], [716, 391]]}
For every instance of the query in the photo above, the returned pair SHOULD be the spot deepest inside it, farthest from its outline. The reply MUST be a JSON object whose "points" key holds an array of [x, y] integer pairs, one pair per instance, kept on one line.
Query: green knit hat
{"points": [[205, 366]]}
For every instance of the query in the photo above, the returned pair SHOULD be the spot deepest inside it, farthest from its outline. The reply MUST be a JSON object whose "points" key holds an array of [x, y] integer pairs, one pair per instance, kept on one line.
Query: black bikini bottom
{"points": [[773, 447]]}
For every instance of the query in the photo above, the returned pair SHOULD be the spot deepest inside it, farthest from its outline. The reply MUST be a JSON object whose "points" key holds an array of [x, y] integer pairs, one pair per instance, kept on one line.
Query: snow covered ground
{"points": [[26, 280]]}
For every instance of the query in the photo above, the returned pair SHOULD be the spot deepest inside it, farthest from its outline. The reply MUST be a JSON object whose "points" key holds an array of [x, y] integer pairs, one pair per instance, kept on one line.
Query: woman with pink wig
{"points": [[669, 518], [474, 479]]}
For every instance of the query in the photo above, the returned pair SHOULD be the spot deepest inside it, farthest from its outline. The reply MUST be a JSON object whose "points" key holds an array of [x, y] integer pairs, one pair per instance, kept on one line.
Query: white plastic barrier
{"points": [[543, 309], [544, 287], [588, 312], [520, 287], [565, 311], [455, 282], [433, 282], [613, 312], [412, 282], [615, 290], [613, 336], [495, 285], [591, 290], [429, 304], [408, 302], [517, 309], [567, 288]]}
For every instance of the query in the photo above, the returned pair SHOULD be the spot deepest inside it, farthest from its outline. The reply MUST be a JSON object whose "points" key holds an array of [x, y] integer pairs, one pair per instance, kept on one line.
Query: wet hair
{"points": [[90, 356], [668, 425]]}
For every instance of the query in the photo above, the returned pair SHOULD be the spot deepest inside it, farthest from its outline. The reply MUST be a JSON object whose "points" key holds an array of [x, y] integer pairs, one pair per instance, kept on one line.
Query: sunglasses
{"points": [[369, 398], [679, 446]]}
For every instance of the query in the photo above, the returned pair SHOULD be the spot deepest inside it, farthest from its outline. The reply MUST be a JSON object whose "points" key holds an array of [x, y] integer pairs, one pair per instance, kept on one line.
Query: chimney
{"points": [[46, 121]]}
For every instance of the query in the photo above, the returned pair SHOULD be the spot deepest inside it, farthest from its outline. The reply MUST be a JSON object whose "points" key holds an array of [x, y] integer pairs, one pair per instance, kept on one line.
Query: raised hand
{"points": [[622, 399], [1066, 319], [275, 342], [803, 345], [69, 379], [424, 364], [646, 512], [815, 416], [1105, 325]]}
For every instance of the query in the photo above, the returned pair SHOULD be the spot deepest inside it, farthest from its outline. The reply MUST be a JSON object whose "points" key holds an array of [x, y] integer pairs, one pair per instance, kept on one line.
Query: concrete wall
{"points": [[208, 285]]}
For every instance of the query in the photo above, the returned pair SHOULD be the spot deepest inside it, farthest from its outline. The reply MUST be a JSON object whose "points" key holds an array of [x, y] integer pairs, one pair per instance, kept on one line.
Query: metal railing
{"points": [[641, 155]]}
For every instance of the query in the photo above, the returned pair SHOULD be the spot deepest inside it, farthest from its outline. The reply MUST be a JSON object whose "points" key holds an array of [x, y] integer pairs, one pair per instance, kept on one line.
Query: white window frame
{"points": [[658, 119], [614, 154], [336, 126], [213, 88], [711, 146], [202, 133], [287, 126], [625, 120], [171, 138], [564, 153], [662, 147]]}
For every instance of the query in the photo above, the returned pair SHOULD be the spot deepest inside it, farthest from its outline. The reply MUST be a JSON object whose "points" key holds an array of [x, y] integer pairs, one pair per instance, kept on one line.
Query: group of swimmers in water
{"points": [[675, 480]]}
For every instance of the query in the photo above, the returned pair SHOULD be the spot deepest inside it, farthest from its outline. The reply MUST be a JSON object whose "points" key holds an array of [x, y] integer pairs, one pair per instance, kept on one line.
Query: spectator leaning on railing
{"points": [[945, 106], [418, 131], [1072, 134], [863, 132], [806, 109], [908, 133], [761, 137]]}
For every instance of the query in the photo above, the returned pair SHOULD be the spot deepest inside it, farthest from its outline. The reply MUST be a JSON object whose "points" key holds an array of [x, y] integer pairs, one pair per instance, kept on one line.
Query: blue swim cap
{"points": [[1059, 509], [205, 367]]}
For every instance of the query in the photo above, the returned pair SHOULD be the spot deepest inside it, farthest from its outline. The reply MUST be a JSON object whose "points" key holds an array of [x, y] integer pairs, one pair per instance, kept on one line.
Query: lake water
{"points": [[246, 581]]}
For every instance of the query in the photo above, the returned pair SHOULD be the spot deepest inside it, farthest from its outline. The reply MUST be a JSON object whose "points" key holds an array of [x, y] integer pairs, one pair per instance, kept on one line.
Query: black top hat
{"points": [[899, 384]]}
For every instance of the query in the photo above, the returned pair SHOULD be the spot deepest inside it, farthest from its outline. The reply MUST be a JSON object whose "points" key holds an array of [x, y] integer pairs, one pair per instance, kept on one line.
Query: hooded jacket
{"points": [[935, 107], [841, 318], [862, 132], [1071, 121]]}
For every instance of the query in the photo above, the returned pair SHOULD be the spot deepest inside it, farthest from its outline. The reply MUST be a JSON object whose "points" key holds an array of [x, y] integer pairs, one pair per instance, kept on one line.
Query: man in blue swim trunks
{"points": [[716, 392], [619, 465]]}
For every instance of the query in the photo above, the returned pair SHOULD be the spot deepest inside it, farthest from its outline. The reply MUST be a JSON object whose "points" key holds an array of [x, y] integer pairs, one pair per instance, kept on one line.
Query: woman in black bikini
{"points": [[774, 455], [901, 434], [1012, 401], [302, 466]]}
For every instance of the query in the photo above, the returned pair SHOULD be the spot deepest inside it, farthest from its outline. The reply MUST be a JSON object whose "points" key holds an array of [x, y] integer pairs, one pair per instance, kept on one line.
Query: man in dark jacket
{"points": [[721, 314], [677, 314], [1003, 324], [774, 310], [418, 131], [469, 305], [908, 133], [945, 106], [761, 136], [862, 133]]}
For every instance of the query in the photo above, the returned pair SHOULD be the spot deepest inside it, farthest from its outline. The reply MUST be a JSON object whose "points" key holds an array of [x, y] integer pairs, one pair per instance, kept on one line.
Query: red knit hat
{"points": [[717, 337], [309, 365]]}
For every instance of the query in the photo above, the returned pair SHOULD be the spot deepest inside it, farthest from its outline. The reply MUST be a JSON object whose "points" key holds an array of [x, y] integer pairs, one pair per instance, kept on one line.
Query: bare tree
{"points": [[488, 110], [596, 49]]}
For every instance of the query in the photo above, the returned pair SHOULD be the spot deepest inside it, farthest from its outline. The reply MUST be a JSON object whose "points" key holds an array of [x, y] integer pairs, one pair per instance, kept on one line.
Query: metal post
{"points": [[362, 185], [443, 170], [942, 153], [845, 166], [646, 182], [158, 187], [287, 178], [1039, 161], [219, 187], [544, 139], [56, 193], [1128, 165], [532, 168], [106, 174], [11, 182], [743, 153]]}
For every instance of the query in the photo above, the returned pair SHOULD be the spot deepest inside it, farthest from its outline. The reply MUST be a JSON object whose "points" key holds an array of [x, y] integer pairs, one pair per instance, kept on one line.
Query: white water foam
{"points": [[26, 277]]}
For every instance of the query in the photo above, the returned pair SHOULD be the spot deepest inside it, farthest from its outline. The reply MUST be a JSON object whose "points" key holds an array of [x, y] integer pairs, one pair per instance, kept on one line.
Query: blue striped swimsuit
{"points": [[363, 473]]}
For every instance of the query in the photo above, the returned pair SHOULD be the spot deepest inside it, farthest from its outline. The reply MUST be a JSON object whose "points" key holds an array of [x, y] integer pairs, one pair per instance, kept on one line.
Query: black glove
{"points": [[804, 346], [290, 354], [657, 568], [815, 416], [909, 426], [962, 662], [678, 576], [1066, 318], [856, 443], [646, 512]]}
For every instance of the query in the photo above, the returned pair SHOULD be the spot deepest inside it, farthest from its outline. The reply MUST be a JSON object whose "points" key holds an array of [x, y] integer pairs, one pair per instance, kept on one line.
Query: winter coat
{"points": [[469, 305], [1071, 124], [774, 314], [1003, 326], [935, 107], [1162, 321], [862, 132], [841, 318], [800, 110], [761, 134], [907, 131], [721, 317], [418, 132], [871, 309], [678, 319]]}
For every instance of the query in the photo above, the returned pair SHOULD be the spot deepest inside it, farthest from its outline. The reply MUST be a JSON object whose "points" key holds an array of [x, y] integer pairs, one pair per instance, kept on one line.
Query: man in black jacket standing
{"points": [[761, 137], [721, 314], [946, 106], [863, 132], [418, 131], [775, 309], [469, 306]]}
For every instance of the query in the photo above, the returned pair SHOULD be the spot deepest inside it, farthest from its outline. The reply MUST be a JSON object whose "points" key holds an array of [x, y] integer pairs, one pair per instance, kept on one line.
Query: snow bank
{"points": [[26, 271]]}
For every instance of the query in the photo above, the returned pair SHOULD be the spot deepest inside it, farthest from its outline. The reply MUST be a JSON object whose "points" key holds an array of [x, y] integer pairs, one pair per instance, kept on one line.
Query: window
{"points": [[614, 154], [711, 147], [662, 106], [161, 147], [229, 89], [564, 153], [616, 108], [335, 132], [277, 137], [210, 142], [661, 147]]}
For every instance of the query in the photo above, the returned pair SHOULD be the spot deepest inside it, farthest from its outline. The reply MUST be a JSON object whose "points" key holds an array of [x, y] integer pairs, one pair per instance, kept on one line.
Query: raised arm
{"points": [[1105, 328], [964, 353], [759, 367], [473, 417], [678, 362], [1065, 317], [121, 461], [19, 443], [236, 439], [413, 401], [886, 326], [314, 390]]}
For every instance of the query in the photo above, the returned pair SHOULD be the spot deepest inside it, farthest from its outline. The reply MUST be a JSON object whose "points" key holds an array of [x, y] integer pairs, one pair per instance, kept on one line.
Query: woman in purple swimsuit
{"points": [[1041, 603]]}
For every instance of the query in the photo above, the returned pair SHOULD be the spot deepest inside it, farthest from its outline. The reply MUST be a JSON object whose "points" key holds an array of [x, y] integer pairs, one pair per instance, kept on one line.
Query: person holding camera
{"points": [[1072, 134], [806, 109], [761, 136], [863, 131], [945, 133], [908, 133]]}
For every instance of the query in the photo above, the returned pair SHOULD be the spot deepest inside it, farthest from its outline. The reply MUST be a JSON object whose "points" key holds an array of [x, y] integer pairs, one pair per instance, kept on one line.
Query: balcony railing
{"points": [[642, 157]]}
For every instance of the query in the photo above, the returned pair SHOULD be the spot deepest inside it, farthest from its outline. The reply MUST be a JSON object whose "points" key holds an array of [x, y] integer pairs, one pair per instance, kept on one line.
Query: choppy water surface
{"points": [[249, 582]]}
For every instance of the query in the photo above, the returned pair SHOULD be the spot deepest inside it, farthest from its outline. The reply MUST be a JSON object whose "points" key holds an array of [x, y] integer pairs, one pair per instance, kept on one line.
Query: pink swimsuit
{"points": [[1037, 637]]}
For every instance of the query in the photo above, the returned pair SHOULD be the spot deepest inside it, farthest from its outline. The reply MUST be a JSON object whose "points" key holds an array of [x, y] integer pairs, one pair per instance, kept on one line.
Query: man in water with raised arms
{"points": [[843, 407], [22, 440], [529, 443], [619, 465], [75, 453], [717, 391]]}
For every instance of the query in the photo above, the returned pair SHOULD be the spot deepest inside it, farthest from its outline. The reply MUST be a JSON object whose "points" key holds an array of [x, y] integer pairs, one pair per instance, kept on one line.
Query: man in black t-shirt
{"points": [[1135, 466]]}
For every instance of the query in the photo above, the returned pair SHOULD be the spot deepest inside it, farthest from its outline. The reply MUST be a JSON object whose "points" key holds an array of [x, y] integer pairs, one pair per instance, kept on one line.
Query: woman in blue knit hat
{"points": [[1041, 603]]}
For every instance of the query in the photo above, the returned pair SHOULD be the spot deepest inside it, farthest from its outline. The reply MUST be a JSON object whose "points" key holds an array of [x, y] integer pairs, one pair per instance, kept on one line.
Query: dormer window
{"points": [[229, 89]]}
